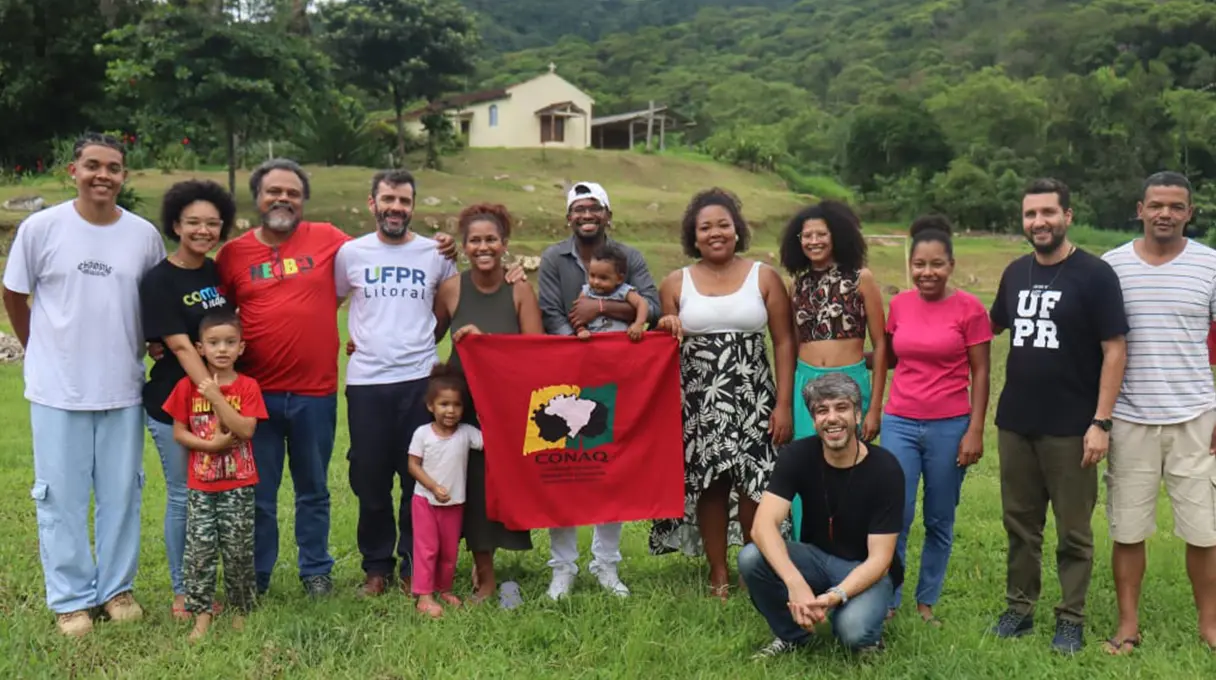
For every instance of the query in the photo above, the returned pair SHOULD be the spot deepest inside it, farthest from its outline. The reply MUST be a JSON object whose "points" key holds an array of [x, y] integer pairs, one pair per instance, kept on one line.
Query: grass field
{"points": [[669, 628]]}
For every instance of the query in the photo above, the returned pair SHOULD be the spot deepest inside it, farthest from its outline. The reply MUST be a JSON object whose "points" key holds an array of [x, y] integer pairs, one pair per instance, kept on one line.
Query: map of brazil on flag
{"points": [[578, 433]]}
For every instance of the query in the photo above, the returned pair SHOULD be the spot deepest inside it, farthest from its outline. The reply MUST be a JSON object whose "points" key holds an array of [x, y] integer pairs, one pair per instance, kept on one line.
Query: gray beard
{"points": [[280, 225]]}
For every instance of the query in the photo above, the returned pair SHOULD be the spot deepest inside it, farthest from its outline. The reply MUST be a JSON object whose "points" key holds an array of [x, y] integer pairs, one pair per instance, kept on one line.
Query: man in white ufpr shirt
{"points": [[391, 276], [82, 262]]}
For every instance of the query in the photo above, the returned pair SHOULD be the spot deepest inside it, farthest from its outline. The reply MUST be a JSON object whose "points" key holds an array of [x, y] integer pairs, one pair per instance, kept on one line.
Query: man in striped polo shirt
{"points": [[1166, 413]]}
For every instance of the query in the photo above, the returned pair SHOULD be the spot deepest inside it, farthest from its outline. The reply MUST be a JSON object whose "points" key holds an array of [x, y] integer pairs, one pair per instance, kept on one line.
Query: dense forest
{"points": [[920, 104], [902, 105]]}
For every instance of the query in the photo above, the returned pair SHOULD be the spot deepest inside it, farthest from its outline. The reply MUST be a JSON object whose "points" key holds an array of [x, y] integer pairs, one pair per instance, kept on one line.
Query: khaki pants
{"points": [[1036, 471], [1141, 457]]}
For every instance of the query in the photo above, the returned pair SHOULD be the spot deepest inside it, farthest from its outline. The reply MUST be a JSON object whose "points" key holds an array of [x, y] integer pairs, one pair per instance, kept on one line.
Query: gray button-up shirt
{"points": [[562, 276]]}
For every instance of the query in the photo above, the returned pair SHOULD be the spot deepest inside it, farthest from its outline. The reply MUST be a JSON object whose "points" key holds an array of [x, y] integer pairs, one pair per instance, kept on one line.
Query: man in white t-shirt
{"points": [[391, 277], [82, 261], [1165, 416]]}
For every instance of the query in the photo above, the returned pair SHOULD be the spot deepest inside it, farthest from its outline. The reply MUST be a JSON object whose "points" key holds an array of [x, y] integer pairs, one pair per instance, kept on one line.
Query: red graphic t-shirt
{"points": [[288, 307], [233, 468]]}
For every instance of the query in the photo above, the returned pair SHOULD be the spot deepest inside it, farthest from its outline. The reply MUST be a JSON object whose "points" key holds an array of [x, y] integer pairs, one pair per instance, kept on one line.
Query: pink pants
{"points": [[436, 542]]}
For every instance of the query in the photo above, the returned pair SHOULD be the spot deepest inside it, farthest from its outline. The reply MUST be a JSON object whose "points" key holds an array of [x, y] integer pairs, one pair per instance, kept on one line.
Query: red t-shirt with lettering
{"points": [[235, 467], [288, 307]]}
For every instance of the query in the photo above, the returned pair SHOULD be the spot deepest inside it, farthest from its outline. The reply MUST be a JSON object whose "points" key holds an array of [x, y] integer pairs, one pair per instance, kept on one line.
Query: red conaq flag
{"points": [[576, 432]]}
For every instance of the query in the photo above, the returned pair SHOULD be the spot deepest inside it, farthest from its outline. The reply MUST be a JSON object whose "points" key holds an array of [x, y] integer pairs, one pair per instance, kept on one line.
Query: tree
{"points": [[193, 64], [408, 49], [50, 79], [891, 138]]}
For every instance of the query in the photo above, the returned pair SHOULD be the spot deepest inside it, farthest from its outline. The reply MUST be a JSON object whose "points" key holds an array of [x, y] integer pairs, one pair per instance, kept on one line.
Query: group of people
{"points": [[1105, 353]]}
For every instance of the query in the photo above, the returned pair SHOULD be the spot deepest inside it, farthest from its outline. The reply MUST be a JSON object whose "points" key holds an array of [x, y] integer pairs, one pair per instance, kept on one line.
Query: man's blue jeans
{"points": [[928, 449], [857, 624], [300, 429]]}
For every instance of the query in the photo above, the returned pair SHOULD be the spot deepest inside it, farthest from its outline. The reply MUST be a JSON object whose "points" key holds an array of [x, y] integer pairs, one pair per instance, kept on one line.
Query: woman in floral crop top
{"points": [[836, 303]]}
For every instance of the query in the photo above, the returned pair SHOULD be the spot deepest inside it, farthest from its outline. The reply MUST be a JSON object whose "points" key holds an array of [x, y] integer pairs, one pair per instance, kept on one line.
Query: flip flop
{"points": [[1116, 647], [509, 595]]}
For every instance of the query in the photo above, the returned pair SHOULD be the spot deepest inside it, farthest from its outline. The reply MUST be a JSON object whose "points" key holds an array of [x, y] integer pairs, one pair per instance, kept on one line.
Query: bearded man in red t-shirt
{"points": [[280, 276]]}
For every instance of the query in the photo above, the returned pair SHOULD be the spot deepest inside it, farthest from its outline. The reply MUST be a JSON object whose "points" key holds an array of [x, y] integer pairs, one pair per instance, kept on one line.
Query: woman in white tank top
{"points": [[734, 415]]}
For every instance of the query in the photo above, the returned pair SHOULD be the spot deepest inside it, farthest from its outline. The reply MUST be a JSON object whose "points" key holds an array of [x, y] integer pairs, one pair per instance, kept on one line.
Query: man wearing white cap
{"points": [[563, 272]]}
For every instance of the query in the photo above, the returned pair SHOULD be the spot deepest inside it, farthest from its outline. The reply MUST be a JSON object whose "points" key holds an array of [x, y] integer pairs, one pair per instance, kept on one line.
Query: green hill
{"points": [[648, 191], [925, 104], [521, 24]]}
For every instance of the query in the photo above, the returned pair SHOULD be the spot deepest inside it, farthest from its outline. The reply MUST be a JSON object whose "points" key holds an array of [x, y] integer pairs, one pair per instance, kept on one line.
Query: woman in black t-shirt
{"points": [[174, 297]]}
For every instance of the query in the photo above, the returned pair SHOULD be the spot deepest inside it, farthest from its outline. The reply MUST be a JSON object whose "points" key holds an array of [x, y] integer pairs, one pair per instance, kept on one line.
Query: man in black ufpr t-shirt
{"points": [[1064, 311], [843, 567]]}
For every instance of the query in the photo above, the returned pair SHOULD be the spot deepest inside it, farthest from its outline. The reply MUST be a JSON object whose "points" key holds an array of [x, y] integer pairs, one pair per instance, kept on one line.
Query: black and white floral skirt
{"points": [[728, 397]]}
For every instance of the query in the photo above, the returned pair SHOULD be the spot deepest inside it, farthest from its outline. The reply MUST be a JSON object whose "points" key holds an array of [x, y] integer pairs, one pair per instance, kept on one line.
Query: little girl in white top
{"points": [[439, 453]]}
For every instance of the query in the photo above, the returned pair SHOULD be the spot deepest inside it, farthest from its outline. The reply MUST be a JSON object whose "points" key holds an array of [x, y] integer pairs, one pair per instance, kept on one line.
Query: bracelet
{"points": [[844, 597]]}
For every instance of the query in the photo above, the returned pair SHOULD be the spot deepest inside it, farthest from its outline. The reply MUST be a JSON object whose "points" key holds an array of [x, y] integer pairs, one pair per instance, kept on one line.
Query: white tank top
{"points": [[742, 311]]}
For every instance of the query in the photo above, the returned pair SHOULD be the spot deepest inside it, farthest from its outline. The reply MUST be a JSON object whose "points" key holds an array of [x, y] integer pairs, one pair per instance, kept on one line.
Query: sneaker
{"points": [[74, 624], [1013, 624], [123, 608], [560, 586], [318, 585], [778, 647], [1069, 638], [611, 581]]}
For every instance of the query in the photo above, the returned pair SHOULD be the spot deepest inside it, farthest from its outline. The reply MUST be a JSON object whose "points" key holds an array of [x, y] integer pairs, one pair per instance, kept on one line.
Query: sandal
{"points": [[179, 612], [933, 621], [722, 592], [1116, 647]]}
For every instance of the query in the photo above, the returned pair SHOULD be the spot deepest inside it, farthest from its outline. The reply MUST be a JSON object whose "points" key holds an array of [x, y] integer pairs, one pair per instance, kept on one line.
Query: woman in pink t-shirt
{"points": [[938, 342]]}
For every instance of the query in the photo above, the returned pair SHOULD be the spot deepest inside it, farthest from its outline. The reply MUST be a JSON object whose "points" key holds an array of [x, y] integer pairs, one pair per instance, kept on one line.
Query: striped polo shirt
{"points": [[1170, 308]]}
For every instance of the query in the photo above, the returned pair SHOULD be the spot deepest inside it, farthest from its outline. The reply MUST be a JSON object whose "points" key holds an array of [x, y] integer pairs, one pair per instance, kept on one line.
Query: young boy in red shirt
{"points": [[216, 422]]}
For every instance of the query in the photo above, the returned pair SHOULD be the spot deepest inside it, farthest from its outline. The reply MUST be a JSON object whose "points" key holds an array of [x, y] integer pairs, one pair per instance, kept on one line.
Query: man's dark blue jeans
{"points": [[300, 430]]}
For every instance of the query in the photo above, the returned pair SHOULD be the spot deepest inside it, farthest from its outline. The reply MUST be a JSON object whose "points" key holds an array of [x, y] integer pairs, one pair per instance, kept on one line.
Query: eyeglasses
{"points": [[593, 209]]}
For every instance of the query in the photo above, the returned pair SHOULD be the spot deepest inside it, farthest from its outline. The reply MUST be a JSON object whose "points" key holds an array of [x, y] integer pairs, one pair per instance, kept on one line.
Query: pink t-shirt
{"points": [[930, 341]]}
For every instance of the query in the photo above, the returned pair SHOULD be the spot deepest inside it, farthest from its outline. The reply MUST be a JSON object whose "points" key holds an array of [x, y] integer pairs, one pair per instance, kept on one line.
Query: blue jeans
{"points": [[857, 624], [301, 429], [173, 460], [78, 454], [928, 448]]}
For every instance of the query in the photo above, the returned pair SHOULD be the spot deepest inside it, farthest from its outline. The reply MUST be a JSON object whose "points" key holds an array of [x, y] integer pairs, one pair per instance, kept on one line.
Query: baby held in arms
{"points": [[606, 275]]}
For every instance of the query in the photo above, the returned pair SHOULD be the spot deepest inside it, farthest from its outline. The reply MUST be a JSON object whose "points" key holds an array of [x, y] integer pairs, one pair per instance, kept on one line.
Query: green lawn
{"points": [[669, 628]]}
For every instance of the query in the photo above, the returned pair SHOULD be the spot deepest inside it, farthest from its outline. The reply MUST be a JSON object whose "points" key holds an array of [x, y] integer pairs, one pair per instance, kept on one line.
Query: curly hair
{"points": [[930, 228], [492, 212], [445, 376], [848, 245], [609, 252], [182, 194], [703, 200]]}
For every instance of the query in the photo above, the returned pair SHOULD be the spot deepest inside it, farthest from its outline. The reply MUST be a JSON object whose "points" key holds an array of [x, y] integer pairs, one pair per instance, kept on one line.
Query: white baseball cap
{"points": [[581, 190]]}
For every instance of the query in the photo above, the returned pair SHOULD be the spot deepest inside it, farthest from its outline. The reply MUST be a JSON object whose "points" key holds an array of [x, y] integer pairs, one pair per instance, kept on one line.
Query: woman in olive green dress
{"points": [[481, 301]]}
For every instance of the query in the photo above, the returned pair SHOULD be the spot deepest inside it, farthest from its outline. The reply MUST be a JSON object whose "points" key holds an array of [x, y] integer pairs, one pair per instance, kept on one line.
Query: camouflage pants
{"points": [[219, 524]]}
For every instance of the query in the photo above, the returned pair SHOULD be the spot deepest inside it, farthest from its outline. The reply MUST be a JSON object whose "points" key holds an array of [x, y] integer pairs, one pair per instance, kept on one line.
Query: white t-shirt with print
{"points": [[86, 343], [444, 459], [392, 299]]}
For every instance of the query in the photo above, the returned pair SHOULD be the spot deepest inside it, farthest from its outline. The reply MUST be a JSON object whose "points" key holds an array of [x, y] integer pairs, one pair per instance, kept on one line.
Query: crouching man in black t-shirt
{"points": [[844, 566]]}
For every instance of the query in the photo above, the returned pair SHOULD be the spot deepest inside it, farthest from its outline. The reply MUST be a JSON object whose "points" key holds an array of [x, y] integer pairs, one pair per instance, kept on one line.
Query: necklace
{"points": [[1034, 262], [823, 476], [180, 262]]}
